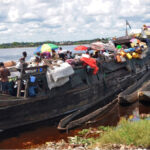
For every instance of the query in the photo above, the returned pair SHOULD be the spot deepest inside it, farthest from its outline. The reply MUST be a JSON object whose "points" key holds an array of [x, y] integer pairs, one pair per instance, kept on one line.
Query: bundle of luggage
{"points": [[137, 50]]}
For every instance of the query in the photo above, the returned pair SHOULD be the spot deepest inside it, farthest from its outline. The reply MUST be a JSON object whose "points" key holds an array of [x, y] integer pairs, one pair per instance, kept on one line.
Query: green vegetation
{"points": [[36, 44], [128, 133]]}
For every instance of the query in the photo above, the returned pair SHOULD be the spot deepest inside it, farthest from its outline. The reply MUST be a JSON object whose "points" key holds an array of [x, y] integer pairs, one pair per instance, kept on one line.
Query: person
{"points": [[38, 57], [54, 54], [68, 55], [23, 59], [61, 54], [95, 55], [4, 73], [45, 55]]}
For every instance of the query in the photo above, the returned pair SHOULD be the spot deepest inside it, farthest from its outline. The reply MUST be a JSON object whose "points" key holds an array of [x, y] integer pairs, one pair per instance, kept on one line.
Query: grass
{"points": [[128, 133]]}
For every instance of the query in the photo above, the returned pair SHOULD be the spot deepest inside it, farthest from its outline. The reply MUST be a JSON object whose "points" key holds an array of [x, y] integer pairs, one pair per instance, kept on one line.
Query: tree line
{"points": [[36, 44]]}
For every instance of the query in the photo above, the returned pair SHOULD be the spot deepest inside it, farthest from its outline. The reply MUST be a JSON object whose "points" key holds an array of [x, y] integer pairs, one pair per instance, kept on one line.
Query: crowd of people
{"points": [[94, 58]]}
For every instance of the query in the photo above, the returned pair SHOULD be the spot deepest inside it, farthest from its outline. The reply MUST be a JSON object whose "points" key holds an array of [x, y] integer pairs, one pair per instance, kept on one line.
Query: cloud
{"points": [[39, 20], [3, 28]]}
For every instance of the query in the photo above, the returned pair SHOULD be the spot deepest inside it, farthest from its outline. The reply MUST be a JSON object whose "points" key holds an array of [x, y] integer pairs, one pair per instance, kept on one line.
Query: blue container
{"points": [[132, 49], [32, 79], [41, 69], [129, 50]]}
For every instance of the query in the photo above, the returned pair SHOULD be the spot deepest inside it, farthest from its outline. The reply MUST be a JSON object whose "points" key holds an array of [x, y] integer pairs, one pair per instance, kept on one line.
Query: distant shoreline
{"points": [[36, 44]]}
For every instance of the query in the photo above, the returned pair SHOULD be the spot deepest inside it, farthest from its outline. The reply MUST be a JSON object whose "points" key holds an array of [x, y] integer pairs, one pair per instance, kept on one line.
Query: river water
{"points": [[16, 53], [37, 134]]}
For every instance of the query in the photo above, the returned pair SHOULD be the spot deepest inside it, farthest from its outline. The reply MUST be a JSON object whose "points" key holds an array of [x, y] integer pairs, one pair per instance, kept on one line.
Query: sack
{"points": [[123, 59], [9, 64]]}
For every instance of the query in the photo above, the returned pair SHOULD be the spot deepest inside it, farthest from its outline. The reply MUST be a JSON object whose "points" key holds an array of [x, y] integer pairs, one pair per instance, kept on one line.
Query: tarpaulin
{"points": [[91, 62]]}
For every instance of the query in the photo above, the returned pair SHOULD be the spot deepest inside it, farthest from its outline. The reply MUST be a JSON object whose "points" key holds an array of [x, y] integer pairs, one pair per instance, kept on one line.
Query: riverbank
{"points": [[132, 133]]}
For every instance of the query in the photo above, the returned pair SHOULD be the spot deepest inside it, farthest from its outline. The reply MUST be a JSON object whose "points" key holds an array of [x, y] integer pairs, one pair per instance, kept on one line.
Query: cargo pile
{"points": [[137, 50]]}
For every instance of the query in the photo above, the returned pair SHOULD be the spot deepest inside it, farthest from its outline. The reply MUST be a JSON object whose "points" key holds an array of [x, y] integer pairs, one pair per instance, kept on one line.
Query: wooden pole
{"points": [[26, 89], [20, 83]]}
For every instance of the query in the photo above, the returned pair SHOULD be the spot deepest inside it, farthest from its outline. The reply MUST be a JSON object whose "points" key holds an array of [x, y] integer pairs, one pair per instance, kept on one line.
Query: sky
{"points": [[63, 20]]}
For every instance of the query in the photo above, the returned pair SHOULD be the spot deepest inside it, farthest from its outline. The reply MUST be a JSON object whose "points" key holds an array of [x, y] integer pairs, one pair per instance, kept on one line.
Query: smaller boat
{"points": [[144, 92], [131, 94], [81, 116]]}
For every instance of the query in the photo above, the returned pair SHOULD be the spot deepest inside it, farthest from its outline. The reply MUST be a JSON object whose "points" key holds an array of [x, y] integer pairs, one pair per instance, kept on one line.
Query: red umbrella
{"points": [[81, 48]]}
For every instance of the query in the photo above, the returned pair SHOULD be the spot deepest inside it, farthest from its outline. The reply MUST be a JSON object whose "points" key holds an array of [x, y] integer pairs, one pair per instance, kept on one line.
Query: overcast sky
{"points": [[60, 20]]}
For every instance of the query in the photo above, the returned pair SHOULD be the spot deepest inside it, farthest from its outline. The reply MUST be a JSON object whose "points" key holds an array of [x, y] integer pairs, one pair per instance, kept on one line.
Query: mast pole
{"points": [[126, 29]]}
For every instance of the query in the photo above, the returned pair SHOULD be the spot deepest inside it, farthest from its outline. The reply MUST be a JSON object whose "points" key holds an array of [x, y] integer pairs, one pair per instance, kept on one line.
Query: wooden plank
{"points": [[37, 67], [26, 89], [19, 88], [20, 84]]}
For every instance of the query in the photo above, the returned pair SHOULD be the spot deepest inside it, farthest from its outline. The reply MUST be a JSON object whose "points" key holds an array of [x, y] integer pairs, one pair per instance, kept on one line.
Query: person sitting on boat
{"points": [[69, 55], [45, 55], [61, 54], [54, 54], [4, 73]]}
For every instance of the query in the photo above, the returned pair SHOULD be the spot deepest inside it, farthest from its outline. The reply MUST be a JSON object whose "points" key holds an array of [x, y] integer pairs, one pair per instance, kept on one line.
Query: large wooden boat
{"points": [[82, 89]]}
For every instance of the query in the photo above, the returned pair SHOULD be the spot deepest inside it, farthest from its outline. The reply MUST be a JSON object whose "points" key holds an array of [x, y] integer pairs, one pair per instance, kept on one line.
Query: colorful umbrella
{"points": [[45, 48], [81, 48], [97, 46], [134, 40], [38, 50]]}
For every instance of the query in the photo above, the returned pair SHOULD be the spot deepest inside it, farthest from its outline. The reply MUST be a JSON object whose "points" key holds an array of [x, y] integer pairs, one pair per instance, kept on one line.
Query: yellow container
{"points": [[122, 53], [135, 55], [118, 58], [129, 56]]}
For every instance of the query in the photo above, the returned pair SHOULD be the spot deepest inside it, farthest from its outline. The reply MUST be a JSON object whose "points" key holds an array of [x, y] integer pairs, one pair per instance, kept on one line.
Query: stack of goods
{"points": [[58, 73], [137, 50]]}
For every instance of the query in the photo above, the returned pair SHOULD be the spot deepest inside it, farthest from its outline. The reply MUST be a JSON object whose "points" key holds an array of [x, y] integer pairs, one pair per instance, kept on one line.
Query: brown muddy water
{"points": [[37, 134]]}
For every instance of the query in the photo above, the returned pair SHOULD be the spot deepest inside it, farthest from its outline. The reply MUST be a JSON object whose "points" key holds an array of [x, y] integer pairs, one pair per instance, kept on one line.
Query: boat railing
{"points": [[25, 74]]}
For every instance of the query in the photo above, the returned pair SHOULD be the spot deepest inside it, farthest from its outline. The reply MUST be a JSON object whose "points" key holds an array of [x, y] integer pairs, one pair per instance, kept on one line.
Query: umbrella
{"points": [[134, 40], [53, 46], [97, 46], [119, 47], [38, 50], [81, 48], [45, 48]]}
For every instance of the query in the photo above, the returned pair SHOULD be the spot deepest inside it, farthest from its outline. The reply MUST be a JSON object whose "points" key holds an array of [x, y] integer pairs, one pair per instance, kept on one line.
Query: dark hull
{"points": [[79, 92], [131, 94], [144, 92], [83, 89]]}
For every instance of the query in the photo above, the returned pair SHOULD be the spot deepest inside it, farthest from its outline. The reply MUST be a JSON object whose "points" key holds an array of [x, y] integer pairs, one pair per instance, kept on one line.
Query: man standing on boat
{"points": [[4, 73], [22, 61]]}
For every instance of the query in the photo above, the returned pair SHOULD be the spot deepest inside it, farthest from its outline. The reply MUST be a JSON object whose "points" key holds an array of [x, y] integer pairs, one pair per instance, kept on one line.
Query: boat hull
{"points": [[21, 112]]}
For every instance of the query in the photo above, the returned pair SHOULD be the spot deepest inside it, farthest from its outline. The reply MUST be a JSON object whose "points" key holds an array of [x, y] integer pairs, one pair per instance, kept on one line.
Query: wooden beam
{"points": [[26, 89]]}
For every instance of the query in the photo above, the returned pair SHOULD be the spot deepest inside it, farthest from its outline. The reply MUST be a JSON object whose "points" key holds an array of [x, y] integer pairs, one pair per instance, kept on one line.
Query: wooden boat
{"points": [[144, 92], [133, 92], [82, 89]]}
